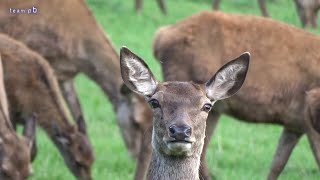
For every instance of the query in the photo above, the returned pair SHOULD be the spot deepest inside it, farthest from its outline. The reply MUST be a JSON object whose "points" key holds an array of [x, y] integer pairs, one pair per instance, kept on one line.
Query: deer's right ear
{"points": [[136, 73]]}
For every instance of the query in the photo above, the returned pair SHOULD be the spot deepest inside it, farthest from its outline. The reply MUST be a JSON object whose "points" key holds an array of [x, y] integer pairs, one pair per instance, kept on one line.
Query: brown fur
{"points": [[180, 110], [284, 68], [32, 88], [72, 42], [70, 45], [15, 152], [3, 95], [67, 35], [175, 98]]}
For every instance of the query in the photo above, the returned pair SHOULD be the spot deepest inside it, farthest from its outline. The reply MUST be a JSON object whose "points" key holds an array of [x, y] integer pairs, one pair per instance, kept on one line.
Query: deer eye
{"points": [[154, 103], [207, 107]]}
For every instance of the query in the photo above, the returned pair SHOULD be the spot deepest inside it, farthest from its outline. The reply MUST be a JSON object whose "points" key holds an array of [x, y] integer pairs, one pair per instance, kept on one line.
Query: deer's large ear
{"points": [[136, 73], [229, 78]]}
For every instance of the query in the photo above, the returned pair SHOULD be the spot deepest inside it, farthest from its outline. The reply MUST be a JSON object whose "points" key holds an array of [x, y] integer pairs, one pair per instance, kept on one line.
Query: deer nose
{"points": [[180, 133]]}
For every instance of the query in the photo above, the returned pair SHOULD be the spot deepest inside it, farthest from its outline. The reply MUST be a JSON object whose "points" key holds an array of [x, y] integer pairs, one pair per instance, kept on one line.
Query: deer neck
{"points": [[164, 167], [101, 65]]}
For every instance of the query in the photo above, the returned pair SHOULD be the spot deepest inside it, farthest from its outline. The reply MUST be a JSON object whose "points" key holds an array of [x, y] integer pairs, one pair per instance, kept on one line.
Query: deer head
{"points": [[75, 148], [15, 151], [180, 109]]}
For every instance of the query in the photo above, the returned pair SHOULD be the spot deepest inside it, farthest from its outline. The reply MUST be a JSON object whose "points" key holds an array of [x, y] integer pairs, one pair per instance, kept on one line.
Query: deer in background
{"points": [[282, 87], [215, 6], [32, 87], [307, 11], [65, 44], [180, 110], [15, 151], [73, 42], [161, 4], [262, 5]]}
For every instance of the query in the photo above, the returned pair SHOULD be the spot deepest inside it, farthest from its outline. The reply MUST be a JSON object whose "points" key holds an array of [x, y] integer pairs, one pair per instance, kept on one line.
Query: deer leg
{"points": [[314, 140], [162, 5], [301, 13], [138, 5], [308, 15], [216, 4], [287, 142], [34, 149], [211, 124], [263, 7], [14, 124], [314, 18], [70, 94], [29, 132], [312, 116], [144, 155]]}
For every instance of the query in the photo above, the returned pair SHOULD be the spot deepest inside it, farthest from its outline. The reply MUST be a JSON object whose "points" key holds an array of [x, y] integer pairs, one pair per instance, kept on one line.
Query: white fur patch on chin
{"points": [[224, 81], [140, 76], [179, 148]]}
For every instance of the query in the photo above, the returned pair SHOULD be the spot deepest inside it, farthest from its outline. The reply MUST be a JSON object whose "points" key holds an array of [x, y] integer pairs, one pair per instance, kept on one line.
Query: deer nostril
{"points": [[188, 132], [172, 130], [180, 133]]}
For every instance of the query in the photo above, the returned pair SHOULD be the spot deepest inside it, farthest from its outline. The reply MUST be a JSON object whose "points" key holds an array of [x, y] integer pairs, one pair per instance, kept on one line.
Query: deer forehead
{"points": [[181, 93]]}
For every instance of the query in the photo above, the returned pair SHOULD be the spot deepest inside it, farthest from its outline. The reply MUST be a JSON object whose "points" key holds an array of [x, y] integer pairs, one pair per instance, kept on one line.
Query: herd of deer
{"points": [[307, 9], [166, 126]]}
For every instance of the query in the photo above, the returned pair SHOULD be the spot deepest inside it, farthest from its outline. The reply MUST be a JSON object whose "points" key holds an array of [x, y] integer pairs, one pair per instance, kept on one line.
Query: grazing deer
{"points": [[161, 4], [15, 151], [73, 42], [180, 110], [283, 86], [307, 11], [262, 5], [31, 86]]}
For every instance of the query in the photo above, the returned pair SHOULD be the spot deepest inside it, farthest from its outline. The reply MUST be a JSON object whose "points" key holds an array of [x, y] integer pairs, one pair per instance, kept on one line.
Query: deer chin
{"points": [[179, 148]]}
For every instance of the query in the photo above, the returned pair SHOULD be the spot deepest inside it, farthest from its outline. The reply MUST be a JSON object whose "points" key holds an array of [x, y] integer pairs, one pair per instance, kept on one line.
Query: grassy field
{"points": [[238, 150]]}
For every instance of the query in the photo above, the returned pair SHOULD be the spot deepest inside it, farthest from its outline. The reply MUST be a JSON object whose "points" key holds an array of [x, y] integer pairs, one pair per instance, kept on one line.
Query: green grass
{"points": [[237, 151]]}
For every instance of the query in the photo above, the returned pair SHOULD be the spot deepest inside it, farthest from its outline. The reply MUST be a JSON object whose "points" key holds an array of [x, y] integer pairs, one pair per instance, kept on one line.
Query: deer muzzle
{"points": [[180, 139]]}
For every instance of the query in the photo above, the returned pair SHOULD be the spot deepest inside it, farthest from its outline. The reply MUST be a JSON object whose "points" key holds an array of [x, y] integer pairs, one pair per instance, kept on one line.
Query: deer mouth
{"points": [[179, 141], [179, 147]]}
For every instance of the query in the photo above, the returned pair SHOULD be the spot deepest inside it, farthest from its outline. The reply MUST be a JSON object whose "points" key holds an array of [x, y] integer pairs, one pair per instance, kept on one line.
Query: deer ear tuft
{"points": [[136, 73], [229, 78]]}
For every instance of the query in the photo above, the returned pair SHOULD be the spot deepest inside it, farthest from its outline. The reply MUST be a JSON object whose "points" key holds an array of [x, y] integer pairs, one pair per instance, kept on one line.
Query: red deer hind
{"points": [[32, 87], [73, 42], [15, 151], [282, 86], [180, 110]]}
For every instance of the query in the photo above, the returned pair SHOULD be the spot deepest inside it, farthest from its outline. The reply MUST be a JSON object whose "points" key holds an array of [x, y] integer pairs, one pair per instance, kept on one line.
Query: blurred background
{"points": [[238, 150]]}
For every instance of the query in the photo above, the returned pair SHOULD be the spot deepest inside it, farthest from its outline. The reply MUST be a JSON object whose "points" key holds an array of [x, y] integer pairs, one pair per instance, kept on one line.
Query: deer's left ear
{"points": [[136, 73], [229, 78]]}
